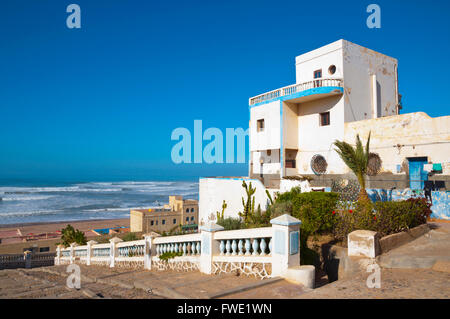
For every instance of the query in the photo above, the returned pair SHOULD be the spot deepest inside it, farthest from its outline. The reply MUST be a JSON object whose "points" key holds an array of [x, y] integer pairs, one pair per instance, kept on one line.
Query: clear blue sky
{"points": [[101, 102]]}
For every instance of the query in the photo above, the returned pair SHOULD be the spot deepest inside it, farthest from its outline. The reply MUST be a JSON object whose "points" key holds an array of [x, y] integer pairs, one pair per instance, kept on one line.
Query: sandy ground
{"points": [[85, 225]]}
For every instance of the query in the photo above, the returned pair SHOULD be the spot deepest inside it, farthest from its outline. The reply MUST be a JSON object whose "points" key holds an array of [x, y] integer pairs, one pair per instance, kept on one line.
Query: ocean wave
{"points": [[30, 213], [10, 199]]}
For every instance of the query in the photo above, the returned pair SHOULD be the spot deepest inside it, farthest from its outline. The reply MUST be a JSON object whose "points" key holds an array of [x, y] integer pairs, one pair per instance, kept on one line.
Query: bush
{"points": [[383, 217], [130, 237], [71, 235], [230, 223], [280, 208], [315, 209]]}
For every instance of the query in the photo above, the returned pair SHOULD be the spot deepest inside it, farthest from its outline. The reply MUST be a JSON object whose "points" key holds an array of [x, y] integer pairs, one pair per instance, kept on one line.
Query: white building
{"points": [[341, 89]]}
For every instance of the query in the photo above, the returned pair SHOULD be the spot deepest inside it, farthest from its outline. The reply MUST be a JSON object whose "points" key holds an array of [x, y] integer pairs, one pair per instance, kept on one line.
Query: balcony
{"points": [[319, 88]]}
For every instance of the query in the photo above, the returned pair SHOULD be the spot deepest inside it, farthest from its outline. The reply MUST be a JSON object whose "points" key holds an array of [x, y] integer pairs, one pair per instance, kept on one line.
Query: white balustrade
{"points": [[295, 88]]}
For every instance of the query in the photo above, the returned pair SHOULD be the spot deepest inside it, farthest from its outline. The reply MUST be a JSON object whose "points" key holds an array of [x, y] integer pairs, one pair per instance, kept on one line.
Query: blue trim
{"points": [[319, 90], [281, 139]]}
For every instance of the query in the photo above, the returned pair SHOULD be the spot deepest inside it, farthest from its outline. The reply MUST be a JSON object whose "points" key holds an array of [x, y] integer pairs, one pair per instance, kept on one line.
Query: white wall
{"points": [[212, 192], [269, 138], [271, 163], [359, 64], [419, 135], [315, 139], [321, 58]]}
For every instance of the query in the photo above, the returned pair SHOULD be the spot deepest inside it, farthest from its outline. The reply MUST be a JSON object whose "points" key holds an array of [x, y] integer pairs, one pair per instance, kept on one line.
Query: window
{"points": [[187, 219], [332, 69], [156, 222], [325, 119], [269, 152], [151, 223], [174, 220], [187, 210], [260, 125], [44, 249], [192, 210], [192, 218], [318, 75], [163, 221]]}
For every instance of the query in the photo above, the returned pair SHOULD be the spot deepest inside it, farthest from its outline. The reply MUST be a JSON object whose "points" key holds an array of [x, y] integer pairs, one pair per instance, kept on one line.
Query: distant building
{"points": [[179, 211]]}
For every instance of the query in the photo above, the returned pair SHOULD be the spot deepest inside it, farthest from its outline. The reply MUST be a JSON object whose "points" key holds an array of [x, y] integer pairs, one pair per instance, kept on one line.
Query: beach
{"points": [[47, 227]]}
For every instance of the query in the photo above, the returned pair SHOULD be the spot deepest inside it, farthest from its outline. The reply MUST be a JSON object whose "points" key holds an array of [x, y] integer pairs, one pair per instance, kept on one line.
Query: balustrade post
{"points": [[89, 251], [58, 255], [72, 252], [209, 246], [286, 244], [27, 257], [113, 251]]}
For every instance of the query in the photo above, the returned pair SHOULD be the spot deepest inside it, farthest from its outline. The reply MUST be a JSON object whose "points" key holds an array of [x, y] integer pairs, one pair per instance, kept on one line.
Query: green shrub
{"points": [[169, 255], [230, 223], [71, 235], [314, 209], [383, 217], [130, 237], [280, 208]]}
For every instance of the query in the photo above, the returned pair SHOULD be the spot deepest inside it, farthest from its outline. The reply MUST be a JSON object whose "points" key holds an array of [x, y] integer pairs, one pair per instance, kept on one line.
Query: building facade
{"points": [[179, 212], [342, 89]]}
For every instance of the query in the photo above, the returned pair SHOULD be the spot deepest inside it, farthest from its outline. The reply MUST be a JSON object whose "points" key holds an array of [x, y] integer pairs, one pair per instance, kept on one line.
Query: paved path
{"points": [[104, 282], [422, 252], [395, 283]]}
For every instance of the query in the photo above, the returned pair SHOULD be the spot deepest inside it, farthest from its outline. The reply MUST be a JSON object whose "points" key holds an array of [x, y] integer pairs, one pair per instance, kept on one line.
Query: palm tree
{"points": [[356, 158]]}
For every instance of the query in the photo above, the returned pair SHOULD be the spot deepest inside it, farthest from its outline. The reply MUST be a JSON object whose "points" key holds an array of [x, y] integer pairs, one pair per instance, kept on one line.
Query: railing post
{"points": [[286, 244], [149, 249], [89, 251], [72, 252], [58, 255], [209, 246], [27, 257], [113, 250]]}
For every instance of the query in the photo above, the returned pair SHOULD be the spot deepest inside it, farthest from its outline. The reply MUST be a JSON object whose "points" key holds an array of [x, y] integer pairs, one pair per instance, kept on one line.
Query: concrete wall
{"points": [[440, 199], [315, 139], [417, 133], [321, 58], [361, 90], [212, 192], [269, 138]]}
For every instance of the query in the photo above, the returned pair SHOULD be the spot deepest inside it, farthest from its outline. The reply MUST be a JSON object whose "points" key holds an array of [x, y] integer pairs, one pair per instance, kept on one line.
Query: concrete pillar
{"points": [[149, 249], [113, 250], [58, 255], [363, 243], [373, 78], [209, 246], [72, 252], [286, 244], [89, 251], [27, 258]]}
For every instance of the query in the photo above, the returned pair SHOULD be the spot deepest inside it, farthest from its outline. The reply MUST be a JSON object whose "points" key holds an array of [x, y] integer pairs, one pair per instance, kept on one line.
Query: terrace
{"points": [[301, 92]]}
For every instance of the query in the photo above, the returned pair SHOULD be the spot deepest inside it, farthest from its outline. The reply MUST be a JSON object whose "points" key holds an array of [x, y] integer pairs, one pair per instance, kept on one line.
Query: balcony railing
{"points": [[295, 88]]}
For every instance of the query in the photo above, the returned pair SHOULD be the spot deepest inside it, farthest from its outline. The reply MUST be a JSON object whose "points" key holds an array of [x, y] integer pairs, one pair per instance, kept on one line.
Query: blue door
{"points": [[417, 175]]}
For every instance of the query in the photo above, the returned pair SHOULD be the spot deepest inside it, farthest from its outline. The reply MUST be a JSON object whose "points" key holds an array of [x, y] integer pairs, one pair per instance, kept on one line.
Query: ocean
{"points": [[84, 201]]}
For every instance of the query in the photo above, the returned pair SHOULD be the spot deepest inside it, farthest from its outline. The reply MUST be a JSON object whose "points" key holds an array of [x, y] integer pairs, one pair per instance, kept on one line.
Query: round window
{"points": [[332, 69], [319, 164]]}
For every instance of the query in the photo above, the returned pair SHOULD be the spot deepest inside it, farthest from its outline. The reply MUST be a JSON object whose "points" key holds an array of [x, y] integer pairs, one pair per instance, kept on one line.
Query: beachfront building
{"points": [[342, 89], [178, 212]]}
